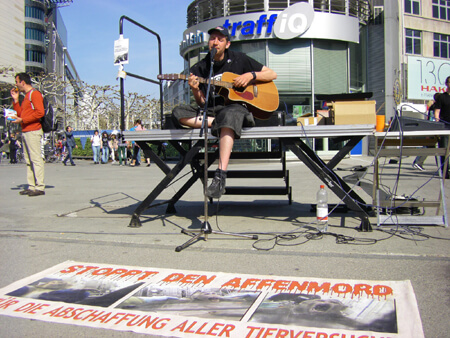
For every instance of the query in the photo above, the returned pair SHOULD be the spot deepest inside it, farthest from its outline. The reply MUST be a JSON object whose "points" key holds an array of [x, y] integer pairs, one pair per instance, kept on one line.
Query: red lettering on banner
{"points": [[63, 312], [342, 288], [131, 273], [261, 332], [250, 282], [103, 271], [215, 327], [31, 308], [297, 286], [188, 279], [281, 285], [73, 313], [118, 272], [125, 317], [77, 317], [148, 274], [233, 283], [321, 335], [199, 328], [53, 312], [103, 318], [205, 280], [88, 268], [5, 303], [160, 323], [282, 333], [314, 286], [360, 288], [382, 290], [269, 332], [308, 334], [94, 315], [96, 271], [148, 320], [265, 283]]}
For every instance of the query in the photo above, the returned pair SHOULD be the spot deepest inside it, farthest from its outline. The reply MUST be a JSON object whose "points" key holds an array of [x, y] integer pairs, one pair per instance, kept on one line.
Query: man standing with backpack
{"points": [[29, 115]]}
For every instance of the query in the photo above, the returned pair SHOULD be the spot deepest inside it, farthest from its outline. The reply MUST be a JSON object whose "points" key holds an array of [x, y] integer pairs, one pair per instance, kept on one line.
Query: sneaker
{"points": [[216, 188], [25, 192], [36, 193], [418, 167]]}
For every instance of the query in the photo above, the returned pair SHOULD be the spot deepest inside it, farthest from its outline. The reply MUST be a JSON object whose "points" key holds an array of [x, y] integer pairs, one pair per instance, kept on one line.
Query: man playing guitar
{"points": [[226, 118]]}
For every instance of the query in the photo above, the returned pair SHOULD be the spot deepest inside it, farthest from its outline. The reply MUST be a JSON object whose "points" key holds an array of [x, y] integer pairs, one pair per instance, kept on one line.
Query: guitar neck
{"points": [[213, 82]]}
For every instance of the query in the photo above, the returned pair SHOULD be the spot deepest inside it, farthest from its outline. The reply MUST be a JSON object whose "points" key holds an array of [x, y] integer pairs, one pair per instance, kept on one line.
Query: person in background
{"points": [[113, 145], [4, 148], [70, 144], [59, 148], [122, 149], [162, 150], [442, 114], [431, 106], [96, 145], [136, 149], [29, 114], [105, 147], [13, 146]]}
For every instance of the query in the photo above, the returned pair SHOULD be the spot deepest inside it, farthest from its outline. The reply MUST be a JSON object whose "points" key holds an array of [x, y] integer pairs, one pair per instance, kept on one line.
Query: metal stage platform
{"points": [[290, 137]]}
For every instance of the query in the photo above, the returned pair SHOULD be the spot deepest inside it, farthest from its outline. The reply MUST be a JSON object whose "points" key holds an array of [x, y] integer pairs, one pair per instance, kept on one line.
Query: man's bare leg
{"points": [[196, 122], [225, 146], [217, 186]]}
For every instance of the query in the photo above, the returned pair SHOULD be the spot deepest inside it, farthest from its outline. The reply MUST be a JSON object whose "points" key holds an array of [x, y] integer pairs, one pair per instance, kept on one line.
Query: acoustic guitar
{"points": [[261, 98]]}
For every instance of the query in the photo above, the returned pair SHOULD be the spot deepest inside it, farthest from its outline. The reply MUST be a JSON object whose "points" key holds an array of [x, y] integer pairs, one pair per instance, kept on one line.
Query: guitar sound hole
{"points": [[239, 90]]}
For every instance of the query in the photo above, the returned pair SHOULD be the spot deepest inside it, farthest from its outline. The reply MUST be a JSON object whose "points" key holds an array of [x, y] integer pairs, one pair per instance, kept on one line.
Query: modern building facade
{"points": [[408, 52], [316, 47], [35, 42], [398, 50]]}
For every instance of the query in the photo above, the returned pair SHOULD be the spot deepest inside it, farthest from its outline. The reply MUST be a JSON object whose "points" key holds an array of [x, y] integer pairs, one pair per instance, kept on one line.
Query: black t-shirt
{"points": [[12, 143], [105, 140], [233, 62], [443, 103]]}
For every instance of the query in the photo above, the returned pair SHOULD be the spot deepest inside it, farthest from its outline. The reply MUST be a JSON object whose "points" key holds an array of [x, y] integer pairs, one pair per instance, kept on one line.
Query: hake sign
{"points": [[426, 77]]}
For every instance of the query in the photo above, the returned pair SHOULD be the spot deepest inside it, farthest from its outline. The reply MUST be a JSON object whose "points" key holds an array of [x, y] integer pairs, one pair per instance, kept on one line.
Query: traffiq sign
{"points": [[294, 21]]}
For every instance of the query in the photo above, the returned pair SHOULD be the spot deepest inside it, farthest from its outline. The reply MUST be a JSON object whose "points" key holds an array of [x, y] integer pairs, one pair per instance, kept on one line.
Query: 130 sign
{"points": [[426, 76]]}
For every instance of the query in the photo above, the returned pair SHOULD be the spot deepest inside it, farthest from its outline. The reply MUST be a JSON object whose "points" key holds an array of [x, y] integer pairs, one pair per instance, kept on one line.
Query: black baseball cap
{"points": [[221, 30]]}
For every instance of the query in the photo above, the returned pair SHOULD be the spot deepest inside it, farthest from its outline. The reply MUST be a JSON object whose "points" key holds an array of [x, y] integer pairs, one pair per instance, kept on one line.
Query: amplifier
{"points": [[405, 123]]}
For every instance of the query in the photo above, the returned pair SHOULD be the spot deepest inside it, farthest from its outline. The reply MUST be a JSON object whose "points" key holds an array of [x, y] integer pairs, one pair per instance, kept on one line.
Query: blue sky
{"points": [[93, 26]]}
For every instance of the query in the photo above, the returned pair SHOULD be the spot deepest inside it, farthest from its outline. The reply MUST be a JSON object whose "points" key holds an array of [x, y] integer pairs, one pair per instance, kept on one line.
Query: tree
{"points": [[87, 106]]}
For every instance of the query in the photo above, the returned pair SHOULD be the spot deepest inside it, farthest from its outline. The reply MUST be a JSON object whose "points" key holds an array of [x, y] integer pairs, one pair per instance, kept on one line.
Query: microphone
{"points": [[213, 53]]}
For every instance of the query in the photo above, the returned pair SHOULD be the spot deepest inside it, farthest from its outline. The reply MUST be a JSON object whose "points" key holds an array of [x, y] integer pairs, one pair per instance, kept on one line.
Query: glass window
{"points": [[441, 45], [34, 56], [441, 9], [330, 67], [34, 34], [33, 12], [412, 7], [291, 60], [413, 42], [254, 48]]}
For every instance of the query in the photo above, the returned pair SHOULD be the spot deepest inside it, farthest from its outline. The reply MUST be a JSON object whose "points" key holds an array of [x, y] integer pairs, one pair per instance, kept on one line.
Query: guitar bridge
{"points": [[255, 91]]}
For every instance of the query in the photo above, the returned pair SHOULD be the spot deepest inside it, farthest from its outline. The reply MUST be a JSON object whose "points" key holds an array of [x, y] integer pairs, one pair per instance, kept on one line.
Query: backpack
{"points": [[47, 120]]}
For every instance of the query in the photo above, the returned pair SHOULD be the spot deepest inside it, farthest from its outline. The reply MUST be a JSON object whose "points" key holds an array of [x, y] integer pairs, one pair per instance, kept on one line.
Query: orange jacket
{"points": [[31, 117]]}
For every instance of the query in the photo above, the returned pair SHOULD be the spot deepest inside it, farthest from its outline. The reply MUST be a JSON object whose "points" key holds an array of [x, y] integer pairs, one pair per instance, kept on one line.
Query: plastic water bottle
{"points": [[322, 209]]}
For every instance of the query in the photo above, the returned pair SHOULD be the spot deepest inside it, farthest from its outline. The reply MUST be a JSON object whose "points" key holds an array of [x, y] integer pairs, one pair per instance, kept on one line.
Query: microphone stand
{"points": [[205, 228]]}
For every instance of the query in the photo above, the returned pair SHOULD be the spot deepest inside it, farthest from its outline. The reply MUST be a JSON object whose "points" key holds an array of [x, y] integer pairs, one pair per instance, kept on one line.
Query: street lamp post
{"points": [[64, 81]]}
